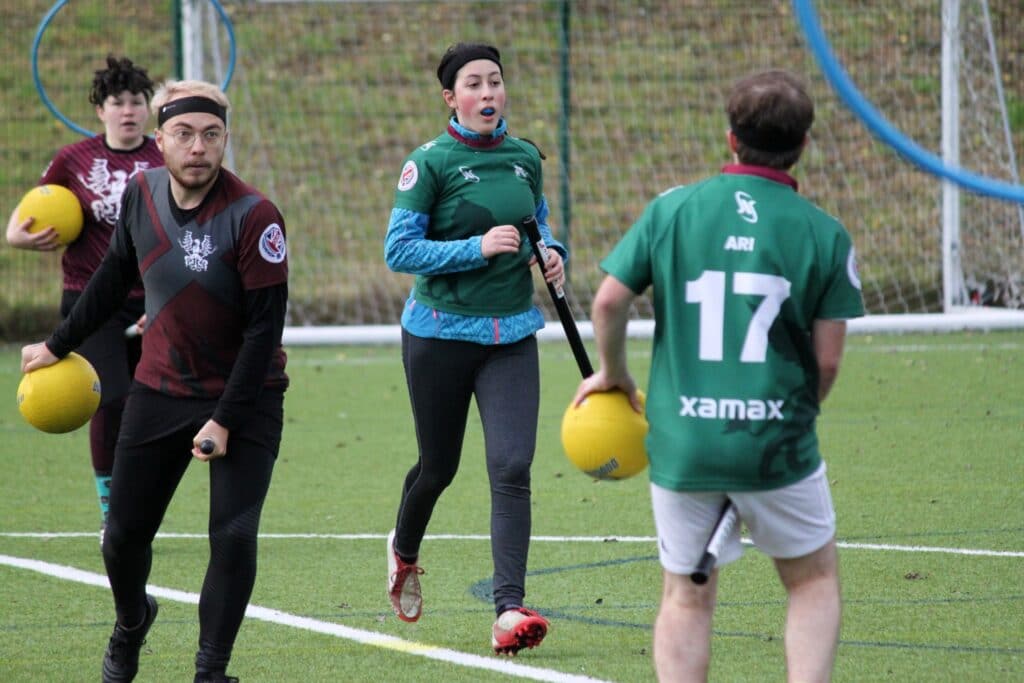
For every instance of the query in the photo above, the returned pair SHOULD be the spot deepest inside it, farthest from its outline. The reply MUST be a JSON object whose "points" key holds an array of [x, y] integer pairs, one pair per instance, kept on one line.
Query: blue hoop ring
{"points": [[71, 124], [884, 130]]}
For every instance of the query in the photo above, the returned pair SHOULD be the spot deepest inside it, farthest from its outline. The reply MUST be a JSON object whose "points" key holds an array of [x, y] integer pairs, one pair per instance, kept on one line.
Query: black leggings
{"points": [[443, 376], [153, 451]]}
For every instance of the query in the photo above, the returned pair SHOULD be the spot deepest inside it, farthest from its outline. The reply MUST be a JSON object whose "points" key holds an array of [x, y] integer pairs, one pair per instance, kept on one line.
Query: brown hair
{"points": [[120, 75], [770, 113]]}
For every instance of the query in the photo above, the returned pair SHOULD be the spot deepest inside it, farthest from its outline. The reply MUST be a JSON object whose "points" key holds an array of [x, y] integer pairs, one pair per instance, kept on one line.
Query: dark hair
{"points": [[460, 54], [770, 113], [120, 75]]}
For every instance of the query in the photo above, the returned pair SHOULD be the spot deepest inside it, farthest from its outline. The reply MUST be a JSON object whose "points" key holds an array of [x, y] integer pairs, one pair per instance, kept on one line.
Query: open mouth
{"points": [[487, 111]]}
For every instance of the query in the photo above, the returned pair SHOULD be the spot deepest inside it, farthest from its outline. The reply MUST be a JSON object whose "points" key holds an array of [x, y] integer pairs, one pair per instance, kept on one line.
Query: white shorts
{"points": [[787, 522]]}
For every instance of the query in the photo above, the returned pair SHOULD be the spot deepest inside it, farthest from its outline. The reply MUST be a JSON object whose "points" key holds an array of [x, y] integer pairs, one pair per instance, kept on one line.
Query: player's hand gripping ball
{"points": [[604, 437], [52, 205], [60, 397]]}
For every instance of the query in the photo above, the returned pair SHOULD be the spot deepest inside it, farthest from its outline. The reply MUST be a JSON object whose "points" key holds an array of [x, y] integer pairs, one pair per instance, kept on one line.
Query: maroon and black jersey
{"points": [[98, 176], [216, 291]]}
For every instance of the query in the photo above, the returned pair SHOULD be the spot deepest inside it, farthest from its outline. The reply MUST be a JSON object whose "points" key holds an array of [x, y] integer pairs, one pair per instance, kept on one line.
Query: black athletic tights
{"points": [[443, 376], [153, 451]]}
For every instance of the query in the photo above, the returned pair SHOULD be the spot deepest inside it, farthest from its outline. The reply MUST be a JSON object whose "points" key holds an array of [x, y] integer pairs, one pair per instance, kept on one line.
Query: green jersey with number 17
{"points": [[740, 266]]}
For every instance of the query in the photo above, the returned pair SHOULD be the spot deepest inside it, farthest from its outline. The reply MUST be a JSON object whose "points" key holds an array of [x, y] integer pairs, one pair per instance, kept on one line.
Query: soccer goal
{"points": [[626, 100]]}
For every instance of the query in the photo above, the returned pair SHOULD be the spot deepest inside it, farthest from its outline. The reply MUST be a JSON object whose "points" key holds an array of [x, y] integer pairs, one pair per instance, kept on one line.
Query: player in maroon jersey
{"points": [[212, 255], [97, 170]]}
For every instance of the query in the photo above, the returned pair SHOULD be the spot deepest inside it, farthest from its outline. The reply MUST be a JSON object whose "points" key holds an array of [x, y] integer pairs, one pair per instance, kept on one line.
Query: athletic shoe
{"points": [[121, 662], [517, 628], [403, 584], [213, 677]]}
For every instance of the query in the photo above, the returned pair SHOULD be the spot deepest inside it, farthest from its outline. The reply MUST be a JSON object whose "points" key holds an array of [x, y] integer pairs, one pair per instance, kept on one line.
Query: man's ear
{"points": [[731, 139]]}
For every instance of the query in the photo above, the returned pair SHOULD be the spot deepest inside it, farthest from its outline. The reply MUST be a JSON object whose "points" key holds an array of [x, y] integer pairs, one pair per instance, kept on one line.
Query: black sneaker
{"points": [[121, 662], [213, 677]]}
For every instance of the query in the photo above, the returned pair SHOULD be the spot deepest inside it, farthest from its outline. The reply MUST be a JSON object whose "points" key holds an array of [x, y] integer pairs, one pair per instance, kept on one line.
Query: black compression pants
{"points": [[443, 376], [153, 451]]}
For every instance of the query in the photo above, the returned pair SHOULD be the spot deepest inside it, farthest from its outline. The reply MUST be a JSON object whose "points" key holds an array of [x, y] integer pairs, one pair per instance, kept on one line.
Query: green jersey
{"points": [[741, 266], [467, 190]]}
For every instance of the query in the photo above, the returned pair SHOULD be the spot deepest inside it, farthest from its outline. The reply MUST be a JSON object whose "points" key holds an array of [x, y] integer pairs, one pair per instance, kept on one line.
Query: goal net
{"points": [[991, 232], [625, 99]]}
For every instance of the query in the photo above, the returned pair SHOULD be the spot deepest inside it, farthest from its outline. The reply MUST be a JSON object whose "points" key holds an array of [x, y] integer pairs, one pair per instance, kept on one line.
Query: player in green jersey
{"points": [[752, 286], [468, 328]]}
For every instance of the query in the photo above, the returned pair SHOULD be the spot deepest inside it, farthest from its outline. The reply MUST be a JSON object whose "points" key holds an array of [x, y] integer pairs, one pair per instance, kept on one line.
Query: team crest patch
{"points": [[410, 174], [196, 251], [745, 206], [273, 248]]}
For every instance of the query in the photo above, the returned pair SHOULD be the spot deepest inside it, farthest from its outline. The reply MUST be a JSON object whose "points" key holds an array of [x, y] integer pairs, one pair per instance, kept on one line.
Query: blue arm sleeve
{"points": [[407, 249], [545, 230]]}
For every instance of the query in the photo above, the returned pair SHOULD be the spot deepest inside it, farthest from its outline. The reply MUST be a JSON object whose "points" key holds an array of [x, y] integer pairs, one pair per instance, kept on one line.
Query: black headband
{"points": [[458, 57], [768, 139], [187, 105]]}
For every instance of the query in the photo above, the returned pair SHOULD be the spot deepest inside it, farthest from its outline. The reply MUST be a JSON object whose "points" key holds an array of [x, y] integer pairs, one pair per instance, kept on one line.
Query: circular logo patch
{"points": [[272, 245], [410, 174], [851, 269]]}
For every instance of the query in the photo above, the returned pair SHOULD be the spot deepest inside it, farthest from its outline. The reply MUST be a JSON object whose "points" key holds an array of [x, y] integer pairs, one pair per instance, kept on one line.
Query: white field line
{"points": [[932, 549], [371, 638], [537, 539], [394, 643]]}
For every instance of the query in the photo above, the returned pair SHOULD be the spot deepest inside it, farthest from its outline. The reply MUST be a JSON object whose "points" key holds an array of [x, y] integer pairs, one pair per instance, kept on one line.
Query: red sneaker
{"points": [[517, 628], [403, 584]]}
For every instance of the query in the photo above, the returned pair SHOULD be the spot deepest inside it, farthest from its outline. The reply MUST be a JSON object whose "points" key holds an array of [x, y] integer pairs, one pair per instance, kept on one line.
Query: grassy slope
{"points": [[331, 96]]}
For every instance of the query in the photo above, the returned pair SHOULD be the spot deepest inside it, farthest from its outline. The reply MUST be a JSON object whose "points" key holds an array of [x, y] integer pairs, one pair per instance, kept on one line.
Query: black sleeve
{"points": [[265, 311], [103, 295]]}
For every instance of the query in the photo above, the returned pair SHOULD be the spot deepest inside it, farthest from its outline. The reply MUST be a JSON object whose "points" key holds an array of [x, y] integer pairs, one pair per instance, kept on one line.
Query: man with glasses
{"points": [[211, 253]]}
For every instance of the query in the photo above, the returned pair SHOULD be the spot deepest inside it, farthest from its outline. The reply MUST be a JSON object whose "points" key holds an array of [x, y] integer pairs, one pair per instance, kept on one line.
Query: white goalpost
{"points": [[625, 101], [955, 59], [204, 50]]}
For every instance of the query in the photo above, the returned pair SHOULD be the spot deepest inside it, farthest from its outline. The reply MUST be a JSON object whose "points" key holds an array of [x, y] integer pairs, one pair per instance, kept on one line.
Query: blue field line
{"points": [[481, 590]]}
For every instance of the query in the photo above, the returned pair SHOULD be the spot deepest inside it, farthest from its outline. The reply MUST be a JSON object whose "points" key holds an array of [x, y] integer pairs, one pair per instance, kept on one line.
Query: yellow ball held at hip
{"points": [[61, 397], [52, 205], [604, 437]]}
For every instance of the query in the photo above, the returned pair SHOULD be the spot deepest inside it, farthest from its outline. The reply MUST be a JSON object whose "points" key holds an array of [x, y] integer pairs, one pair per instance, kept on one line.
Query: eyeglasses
{"points": [[185, 138]]}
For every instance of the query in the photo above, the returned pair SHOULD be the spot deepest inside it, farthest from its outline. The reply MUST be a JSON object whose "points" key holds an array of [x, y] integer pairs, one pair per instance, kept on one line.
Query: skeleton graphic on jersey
{"points": [[108, 186], [97, 175]]}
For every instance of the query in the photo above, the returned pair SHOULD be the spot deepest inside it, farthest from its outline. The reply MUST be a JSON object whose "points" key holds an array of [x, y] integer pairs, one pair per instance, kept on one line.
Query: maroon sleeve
{"points": [[263, 250]]}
